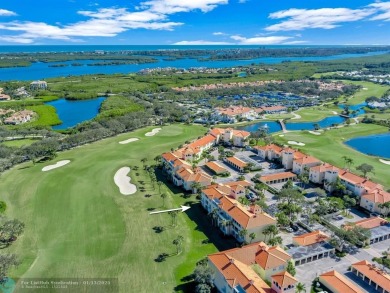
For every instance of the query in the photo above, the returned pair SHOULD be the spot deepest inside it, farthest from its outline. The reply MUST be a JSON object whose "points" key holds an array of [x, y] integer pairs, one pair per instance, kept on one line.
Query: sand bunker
{"points": [[365, 89], [129, 140], [315, 132], [153, 132], [335, 113], [296, 116], [384, 161], [295, 143], [123, 181], [56, 165], [281, 135]]}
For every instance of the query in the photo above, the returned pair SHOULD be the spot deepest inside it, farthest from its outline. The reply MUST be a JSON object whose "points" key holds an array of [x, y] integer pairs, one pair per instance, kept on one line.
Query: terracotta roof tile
{"points": [[339, 283], [310, 238], [374, 273]]}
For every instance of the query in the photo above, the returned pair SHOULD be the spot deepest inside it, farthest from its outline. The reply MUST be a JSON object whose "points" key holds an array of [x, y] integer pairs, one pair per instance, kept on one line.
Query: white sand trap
{"points": [[365, 89], [123, 181], [281, 135], [295, 143], [56, 165], [129, 140], [335, 113], [296, 116], [153, 132], [384, 161], [315, 132]]}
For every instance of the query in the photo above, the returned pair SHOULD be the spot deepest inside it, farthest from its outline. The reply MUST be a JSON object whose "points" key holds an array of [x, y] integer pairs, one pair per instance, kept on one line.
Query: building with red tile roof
{"points": [[230, 135], [373, 201], [373, 275], [379, 228], [283, 282], [310, 238], [236, 163], [232, 217], [269, 152], [216, 168], [187, 177], [249, 266], [195, 149], [337, 283], [317, 173], [278, 177], [303, 164]]}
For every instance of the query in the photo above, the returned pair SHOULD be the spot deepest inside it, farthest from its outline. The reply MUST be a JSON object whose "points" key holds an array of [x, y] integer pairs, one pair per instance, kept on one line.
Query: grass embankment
{"points": [[79, 225], [47, 116], [329, 147], [118, 106], [19, 142]]}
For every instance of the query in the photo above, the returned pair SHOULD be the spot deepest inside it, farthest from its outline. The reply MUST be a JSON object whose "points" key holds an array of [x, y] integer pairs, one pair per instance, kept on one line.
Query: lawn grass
{"points": [[329, 147], [279, 116], [19, 142], [79, 225]]}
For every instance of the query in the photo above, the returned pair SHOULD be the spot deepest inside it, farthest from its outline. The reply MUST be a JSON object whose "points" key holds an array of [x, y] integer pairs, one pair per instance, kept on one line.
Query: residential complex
{"points": [[259, 267]]}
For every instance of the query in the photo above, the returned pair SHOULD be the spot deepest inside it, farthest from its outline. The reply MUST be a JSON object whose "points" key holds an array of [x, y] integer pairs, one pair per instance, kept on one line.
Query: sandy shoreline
{"points": [[384, 161]]}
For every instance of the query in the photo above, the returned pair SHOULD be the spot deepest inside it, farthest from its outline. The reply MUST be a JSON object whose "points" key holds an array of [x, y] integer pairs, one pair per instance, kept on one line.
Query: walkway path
{"points": [[281, 122]]}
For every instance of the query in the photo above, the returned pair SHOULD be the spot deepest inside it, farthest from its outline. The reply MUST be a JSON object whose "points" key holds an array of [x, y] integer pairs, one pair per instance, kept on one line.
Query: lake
{"points": [[275, 126], [374, 145], [72, 113], [40, 70]]}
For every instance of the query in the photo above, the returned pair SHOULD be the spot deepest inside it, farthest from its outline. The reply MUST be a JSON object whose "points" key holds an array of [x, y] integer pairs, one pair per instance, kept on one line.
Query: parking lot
{"points": [[355, 214], [307, 273]]}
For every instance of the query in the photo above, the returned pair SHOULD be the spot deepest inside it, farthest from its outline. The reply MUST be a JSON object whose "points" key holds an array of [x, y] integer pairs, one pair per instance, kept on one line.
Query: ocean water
{"points": [[41, 70]]}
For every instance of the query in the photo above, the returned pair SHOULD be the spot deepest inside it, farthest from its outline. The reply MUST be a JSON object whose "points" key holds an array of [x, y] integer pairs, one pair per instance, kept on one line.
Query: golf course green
{"points": [[78, 224]]}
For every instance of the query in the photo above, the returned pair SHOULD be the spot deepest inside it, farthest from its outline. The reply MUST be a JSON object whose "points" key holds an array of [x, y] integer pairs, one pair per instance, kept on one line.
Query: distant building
{"points": [[38, 85]]}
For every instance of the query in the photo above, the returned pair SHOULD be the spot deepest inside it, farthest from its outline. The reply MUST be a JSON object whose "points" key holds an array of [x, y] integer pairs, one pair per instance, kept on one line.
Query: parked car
{"points": [[288, 229], [295, 228]]}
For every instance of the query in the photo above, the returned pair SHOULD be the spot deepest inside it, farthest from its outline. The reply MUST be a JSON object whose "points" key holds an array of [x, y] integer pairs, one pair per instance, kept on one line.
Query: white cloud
{"points": [[201, 42], [175, 6], [325, 18], [383, 9], [4, 12], [107, 22], [271, 40], [219, 34]]}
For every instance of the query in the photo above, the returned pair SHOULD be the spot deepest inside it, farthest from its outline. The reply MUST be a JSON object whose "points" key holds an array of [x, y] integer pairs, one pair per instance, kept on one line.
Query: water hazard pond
{"points": [[72, 113]]}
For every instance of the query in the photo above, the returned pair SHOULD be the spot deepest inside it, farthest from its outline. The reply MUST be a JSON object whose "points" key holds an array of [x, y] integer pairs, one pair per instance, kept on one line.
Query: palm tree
{"points": [[300, 288], [252, 236], [178, 242], [157, 159], [243, 233], [196, 186], [173, 215], [143, 160], [213, 214], [159, 183], [164, 196]]}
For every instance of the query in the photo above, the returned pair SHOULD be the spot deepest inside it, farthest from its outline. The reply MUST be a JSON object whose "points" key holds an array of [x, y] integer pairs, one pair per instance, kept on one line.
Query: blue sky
{"points": [[165, 22]]}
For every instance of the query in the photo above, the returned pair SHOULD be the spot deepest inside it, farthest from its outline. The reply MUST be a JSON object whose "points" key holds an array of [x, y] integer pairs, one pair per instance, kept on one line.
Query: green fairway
{"points": [[18, 142], [369, 89], [79, 225], [314, 114], [329, 147]]}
